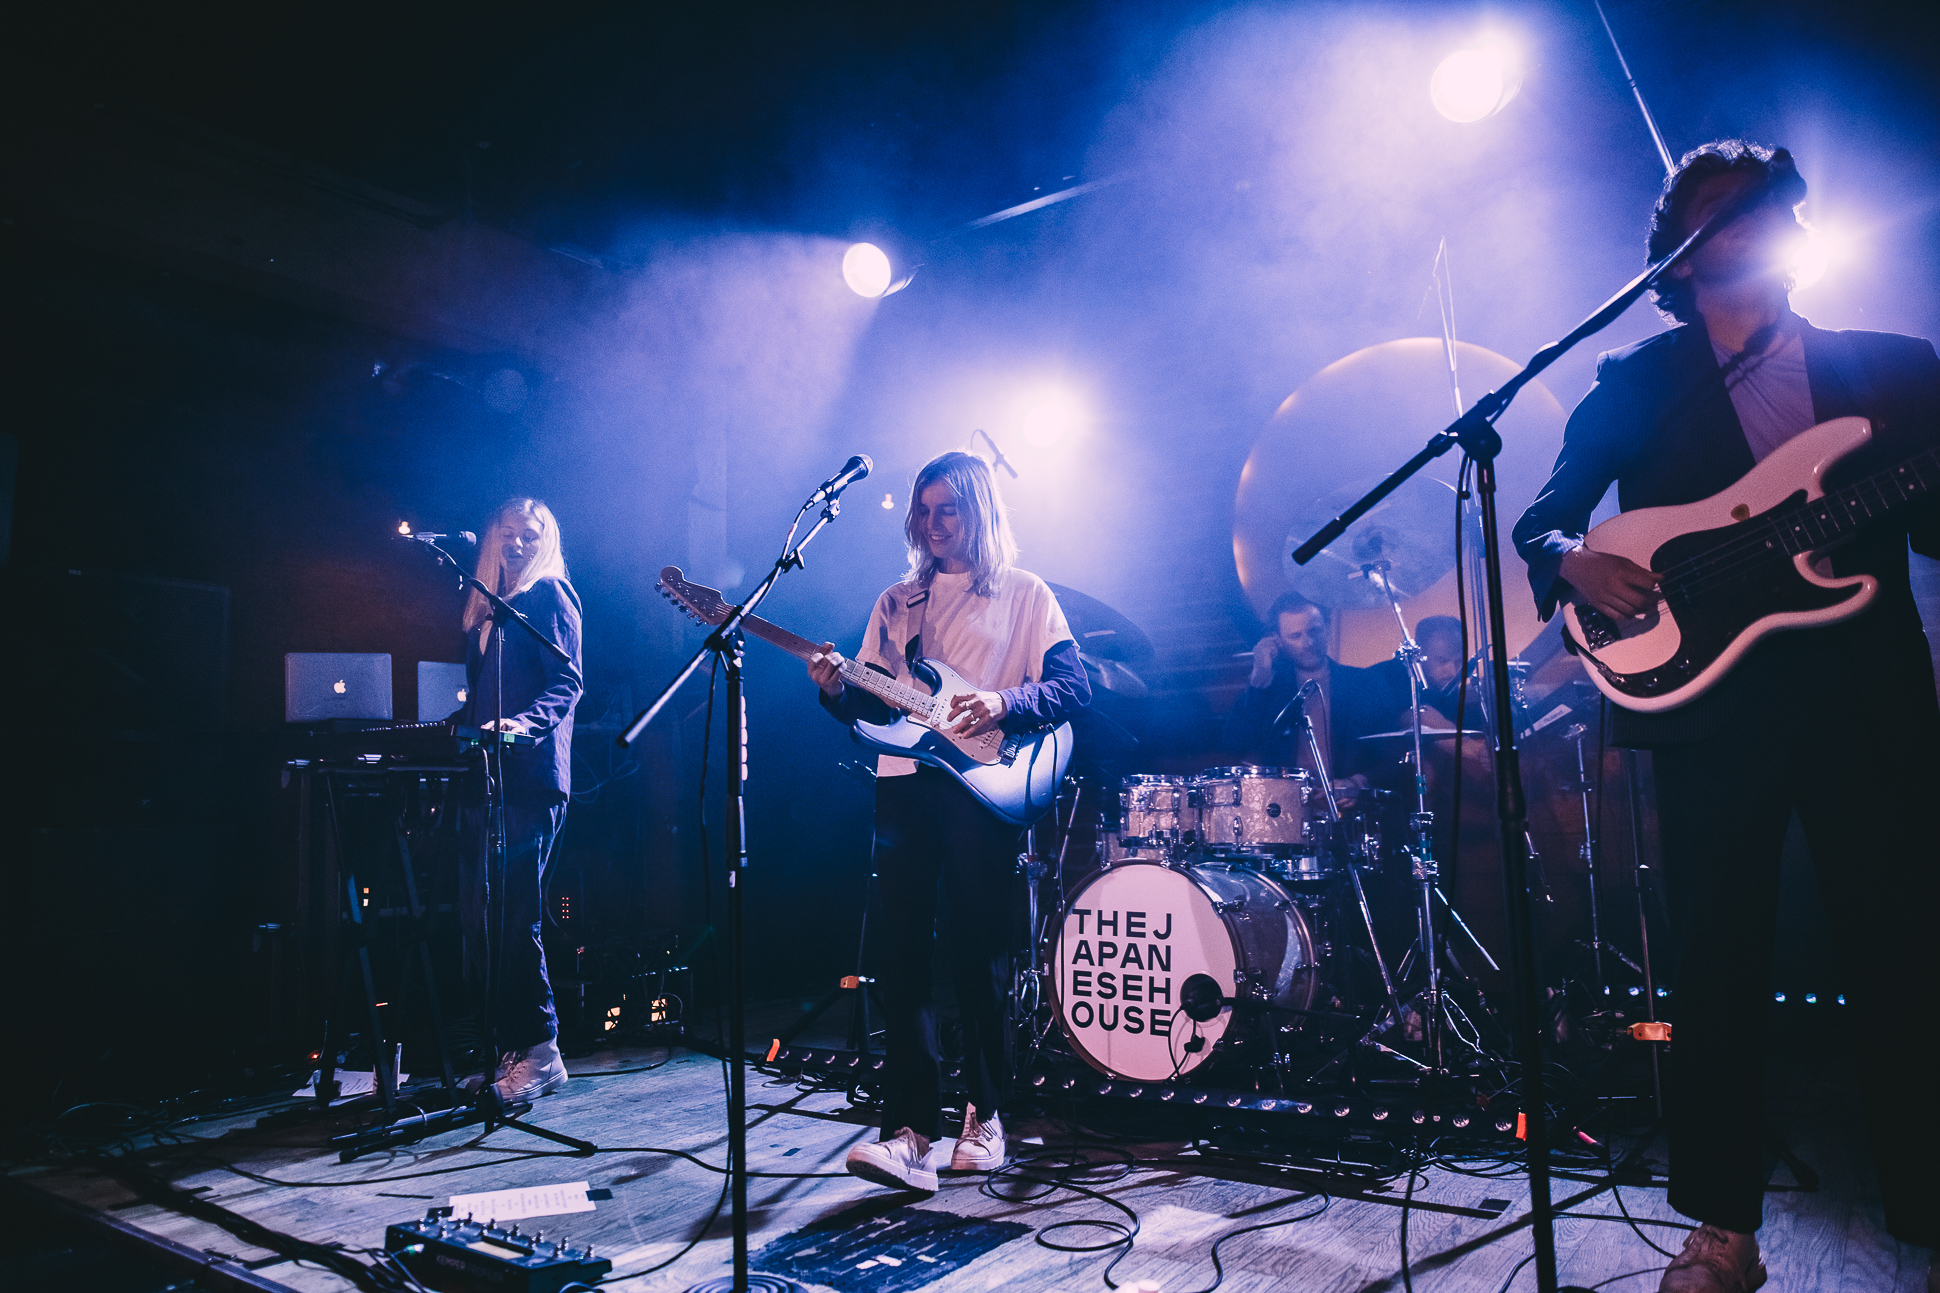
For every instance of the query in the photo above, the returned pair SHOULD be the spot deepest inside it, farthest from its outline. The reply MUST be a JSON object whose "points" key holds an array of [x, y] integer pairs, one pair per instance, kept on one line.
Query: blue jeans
{"points": [[505, 952]]}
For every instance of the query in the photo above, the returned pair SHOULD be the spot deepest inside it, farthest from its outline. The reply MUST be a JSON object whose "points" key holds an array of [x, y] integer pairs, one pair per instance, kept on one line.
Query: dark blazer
{"points": [[539, 690], [1363, 701], [1660, 424]]}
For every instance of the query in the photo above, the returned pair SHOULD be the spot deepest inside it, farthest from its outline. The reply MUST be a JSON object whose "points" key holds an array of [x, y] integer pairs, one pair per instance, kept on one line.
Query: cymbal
{"points": [[1114, 677], [1427, 734], [1411, 530], [1102, 632]]}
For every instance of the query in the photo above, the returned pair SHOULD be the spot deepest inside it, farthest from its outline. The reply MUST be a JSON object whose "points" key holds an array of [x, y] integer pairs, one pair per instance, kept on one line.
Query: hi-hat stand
{"points": [[1475, 432], [726, 644], [1423, 869]]}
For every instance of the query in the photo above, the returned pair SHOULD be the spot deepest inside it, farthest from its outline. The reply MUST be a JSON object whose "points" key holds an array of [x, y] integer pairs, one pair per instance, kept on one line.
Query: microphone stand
{"points": [[726, 643], [487, 1109], [1475, 432]]}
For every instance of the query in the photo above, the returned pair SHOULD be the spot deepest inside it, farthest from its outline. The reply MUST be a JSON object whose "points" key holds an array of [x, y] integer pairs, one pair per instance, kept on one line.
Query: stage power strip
{"points": [[470, 1257]]}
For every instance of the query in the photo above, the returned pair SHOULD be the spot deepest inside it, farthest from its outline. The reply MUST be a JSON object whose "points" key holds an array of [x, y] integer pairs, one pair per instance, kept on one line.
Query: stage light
{"points": [[1473, 84], [888, 502], [866, 270], [1048, 415], [1818, 252]]}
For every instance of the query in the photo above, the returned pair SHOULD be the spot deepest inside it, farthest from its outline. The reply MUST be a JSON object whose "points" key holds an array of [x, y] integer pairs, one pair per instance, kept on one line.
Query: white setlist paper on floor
{"points": [[533, 1201], [350, 1084]]}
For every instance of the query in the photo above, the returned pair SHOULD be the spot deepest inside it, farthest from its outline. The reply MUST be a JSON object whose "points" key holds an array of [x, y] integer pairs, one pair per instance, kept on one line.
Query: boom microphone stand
{"points": [[488, 1109], [726, 644], [1475, 432]]}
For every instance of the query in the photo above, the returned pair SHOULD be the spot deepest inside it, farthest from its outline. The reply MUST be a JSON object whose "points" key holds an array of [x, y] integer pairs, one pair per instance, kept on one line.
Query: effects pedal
{"points": [[469, 1257]]}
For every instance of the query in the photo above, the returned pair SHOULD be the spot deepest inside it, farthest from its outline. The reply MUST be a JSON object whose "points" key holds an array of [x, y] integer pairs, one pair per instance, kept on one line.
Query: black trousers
{"points": [[505, 949], [1862, 778], [931, 835]]}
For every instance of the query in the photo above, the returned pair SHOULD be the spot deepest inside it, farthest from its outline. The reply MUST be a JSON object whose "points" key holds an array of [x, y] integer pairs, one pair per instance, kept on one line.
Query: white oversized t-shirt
{"points": [[995, 642]]}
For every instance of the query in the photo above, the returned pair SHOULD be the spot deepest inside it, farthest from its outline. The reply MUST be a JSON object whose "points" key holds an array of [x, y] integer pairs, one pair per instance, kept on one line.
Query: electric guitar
{"points": [[1015, 777], [1739, 566]]}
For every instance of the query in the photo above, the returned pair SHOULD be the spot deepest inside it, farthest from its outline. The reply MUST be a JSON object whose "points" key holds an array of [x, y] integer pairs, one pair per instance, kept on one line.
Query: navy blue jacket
{"points": [[1660, 424], [1361, 702], [540, 691]]}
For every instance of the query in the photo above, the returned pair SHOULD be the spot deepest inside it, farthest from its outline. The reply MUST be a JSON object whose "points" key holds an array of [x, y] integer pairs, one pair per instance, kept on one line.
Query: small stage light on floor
{"points": [[1474, 84]]}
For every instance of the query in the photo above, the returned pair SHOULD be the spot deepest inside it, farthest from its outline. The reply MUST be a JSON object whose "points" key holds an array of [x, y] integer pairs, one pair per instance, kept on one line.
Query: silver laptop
{"points": [[322, 685], [441, 690]]}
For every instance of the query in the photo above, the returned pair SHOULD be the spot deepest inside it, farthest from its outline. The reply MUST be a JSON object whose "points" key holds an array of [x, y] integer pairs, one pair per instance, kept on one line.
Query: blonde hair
{"points": [[989, 546], [548, 559]]}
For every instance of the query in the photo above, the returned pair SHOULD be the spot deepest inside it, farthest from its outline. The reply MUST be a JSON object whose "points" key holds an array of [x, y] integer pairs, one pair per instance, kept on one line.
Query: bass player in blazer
{"points": [[964, 602], [1838, 724]]}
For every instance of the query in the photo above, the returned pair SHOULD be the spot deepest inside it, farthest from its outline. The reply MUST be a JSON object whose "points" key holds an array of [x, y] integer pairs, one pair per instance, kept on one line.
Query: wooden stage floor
{"points": [[1467, 1234]]}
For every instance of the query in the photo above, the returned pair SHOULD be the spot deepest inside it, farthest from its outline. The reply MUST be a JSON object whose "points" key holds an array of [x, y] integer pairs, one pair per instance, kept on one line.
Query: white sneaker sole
{"points": [[878, 1172], [962, 1162]]}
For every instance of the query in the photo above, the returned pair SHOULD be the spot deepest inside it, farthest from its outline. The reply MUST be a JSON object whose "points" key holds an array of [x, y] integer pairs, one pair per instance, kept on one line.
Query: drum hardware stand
{"points": [[1637, 872], [1598, 949], [1421, 860], [1297, 710], [726, 645], [1475, 432]]}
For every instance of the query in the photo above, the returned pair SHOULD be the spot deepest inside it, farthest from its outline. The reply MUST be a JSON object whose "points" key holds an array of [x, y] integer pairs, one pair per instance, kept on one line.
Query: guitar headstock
{"points": [[698, 600]]}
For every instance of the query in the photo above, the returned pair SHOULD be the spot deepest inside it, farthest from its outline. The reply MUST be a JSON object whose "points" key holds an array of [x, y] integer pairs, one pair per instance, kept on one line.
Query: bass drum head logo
{"points": [[1130, 939]]}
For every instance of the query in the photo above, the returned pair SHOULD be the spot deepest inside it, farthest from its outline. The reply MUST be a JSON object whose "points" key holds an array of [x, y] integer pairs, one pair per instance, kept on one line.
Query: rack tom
{"points": [[1254, 810], [1156, 808]]}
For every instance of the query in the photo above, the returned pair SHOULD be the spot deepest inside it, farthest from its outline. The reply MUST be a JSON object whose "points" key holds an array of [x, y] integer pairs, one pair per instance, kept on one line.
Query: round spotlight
{"points": [[1472, 84], [866, 269]]}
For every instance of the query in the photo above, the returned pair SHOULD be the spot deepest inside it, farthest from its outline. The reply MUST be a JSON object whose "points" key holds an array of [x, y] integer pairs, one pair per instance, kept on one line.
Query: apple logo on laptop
{"points": [[461, 695], [338, 686]]}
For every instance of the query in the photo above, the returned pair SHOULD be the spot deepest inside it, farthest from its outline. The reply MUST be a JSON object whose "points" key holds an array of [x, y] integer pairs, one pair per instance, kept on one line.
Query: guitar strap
{"points": [[918, 606]]}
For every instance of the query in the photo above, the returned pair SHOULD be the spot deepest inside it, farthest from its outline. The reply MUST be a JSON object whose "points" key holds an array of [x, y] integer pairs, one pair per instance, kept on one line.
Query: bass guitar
{"points": [[1015, 777], [1739, 566]]}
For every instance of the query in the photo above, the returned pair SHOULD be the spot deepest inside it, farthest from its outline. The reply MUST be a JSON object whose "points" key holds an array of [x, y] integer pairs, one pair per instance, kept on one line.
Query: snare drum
{"points": [[1155, 808], [1255, 810]]}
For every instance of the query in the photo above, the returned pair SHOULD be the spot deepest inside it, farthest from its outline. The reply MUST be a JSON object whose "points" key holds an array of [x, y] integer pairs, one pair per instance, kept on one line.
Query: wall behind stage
{"points": [[201, 461]]}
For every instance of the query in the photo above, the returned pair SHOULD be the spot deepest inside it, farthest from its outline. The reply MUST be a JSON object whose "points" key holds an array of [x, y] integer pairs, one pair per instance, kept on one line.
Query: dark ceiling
{"points": [[570, 121]]}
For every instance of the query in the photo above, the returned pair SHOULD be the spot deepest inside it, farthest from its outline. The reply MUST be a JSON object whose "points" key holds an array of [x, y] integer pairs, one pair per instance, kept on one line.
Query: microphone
{"points": [[852, 471], [1200, 998], [997, 458], [1307, 688], [426, 536]]}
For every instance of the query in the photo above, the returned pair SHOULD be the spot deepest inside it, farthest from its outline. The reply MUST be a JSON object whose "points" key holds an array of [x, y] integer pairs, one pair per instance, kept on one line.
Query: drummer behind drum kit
{"points": [[1228, 927]]}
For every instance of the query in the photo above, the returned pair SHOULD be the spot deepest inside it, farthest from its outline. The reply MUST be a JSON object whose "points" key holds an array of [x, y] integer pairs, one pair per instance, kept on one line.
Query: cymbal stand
{"points": [[1421, 857], [1588, 852], [1350, 862]]}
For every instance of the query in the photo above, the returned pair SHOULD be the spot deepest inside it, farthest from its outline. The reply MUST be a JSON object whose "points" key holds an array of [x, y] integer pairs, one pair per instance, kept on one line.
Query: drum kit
{"points": [[1258, 927], [1228, 926]]}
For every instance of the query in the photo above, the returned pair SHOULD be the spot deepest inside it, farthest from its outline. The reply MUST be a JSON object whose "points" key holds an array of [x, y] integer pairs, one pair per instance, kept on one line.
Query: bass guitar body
{"points": [[1015, 777], [1737, 567]]}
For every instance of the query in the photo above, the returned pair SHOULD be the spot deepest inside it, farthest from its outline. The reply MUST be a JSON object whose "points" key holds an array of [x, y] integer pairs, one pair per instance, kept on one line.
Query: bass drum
{"points": [[1133, 934]]}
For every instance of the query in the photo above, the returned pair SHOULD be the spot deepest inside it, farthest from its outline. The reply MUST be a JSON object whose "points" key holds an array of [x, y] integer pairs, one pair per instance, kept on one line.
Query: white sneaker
{"points": [[901, 1162], [526, 1075], [981, 1146]]}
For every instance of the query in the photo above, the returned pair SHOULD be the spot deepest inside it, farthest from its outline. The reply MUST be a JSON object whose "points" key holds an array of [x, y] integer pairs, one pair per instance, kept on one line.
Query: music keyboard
{"points": [[404, 743]]}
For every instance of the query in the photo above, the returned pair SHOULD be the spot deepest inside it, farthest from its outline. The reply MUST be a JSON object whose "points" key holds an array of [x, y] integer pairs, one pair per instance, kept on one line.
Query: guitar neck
{"points": [[899, 695], [1845, 511]]}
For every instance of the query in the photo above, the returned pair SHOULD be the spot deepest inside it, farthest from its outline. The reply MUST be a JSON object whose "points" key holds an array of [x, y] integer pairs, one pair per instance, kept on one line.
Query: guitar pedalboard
{"points": [[468, 1257]]}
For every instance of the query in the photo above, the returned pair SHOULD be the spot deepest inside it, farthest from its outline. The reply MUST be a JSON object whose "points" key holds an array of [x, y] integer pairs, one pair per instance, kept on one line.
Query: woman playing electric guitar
{"points": [[963, 601]]}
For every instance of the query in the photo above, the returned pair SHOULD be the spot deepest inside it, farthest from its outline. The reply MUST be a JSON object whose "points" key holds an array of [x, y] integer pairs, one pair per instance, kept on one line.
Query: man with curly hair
{"points": [[1836, 724]]}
